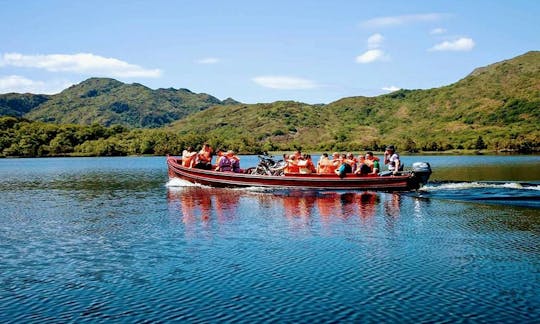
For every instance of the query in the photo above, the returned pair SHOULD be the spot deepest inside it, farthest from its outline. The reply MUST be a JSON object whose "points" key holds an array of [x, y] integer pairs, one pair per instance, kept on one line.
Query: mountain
{"points": [[15, 104], [497, 105], [108, 101]]}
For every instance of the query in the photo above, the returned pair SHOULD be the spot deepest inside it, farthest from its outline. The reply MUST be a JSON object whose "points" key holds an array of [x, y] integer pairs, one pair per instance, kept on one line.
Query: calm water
{"points": [[112, 240]]}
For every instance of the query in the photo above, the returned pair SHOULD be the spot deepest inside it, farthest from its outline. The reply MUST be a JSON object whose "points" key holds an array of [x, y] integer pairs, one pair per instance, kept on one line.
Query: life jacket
{"points": [[306, 167], [225, 164], [189, 160], [292, 166], [235, 164], [324, 166]]}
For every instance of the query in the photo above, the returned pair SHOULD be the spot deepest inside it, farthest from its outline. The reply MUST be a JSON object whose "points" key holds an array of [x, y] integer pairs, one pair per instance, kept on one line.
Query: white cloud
{"points": [[372, 55], [390, 21], [285, 82], [19, 84], [437, 31], [83, 63], [391, 88], [462, 44], [375, 41], [208, 60]]}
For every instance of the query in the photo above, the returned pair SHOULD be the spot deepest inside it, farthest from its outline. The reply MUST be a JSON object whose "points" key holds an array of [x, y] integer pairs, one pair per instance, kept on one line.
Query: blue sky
{"points": [[260, 51]]}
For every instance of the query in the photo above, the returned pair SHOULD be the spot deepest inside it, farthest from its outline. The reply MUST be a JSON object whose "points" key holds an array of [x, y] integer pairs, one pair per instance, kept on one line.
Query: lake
{"points": [[113, 240]]}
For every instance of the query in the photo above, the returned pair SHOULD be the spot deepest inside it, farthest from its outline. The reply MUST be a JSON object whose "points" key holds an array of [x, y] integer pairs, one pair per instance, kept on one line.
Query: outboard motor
{"points": [[422, 171]]}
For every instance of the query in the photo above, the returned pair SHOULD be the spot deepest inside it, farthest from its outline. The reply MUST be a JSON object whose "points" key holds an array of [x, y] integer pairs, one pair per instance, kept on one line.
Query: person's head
{"points": [[325, 155], [307, 157], [350, 156], [390, 149], [369, 155], [230, 153], [190, 149], [335, 155]]}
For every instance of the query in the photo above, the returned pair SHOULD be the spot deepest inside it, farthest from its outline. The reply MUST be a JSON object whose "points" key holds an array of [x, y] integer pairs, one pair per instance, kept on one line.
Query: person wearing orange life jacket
{"points": [[373, 163], [324, 165], [345, 167], [305, 165], [204, 157], [369, 164], [235, 162], [292, 164], [188, 157], [336, 162]]}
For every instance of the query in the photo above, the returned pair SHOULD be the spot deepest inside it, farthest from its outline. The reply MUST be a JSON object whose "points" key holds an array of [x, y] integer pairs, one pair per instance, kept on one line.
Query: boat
{"points": [[404, 181]]}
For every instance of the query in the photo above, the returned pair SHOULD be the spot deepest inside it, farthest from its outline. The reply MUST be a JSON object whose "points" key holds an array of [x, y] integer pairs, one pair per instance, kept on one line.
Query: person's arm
{"points": [[376, 167], [397, 163]]}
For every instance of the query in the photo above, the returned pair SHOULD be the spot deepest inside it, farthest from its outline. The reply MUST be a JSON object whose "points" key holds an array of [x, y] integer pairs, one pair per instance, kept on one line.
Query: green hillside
{"points": [[497, 106], [108, 101], [15, 104]]}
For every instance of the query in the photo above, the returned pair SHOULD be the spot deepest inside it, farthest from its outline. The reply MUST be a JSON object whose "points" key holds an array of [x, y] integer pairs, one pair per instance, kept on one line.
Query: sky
{"points": [[260, 51]]}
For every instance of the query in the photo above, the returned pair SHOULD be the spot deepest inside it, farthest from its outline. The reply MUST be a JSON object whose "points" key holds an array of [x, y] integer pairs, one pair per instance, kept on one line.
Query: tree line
{"points": [[24, 138]]}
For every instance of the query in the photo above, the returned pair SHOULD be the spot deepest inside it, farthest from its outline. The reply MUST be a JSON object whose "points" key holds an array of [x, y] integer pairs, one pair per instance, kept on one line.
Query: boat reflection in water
{"points": [[300, 208]]}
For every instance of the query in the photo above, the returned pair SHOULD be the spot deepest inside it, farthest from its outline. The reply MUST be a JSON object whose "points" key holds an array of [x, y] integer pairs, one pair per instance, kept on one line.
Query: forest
{"points": [[23, 138]]}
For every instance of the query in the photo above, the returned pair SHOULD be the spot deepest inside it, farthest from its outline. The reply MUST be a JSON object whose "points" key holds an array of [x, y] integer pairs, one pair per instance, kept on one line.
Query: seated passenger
{"points": [[204, 158], [362, 168], [345, 166], [336, 161], [393, 160], [369, 165], [188, 157], [351, 160], [324, 165], [223, 163], [305, 165], [292, 164], [235, 162], [372, 162]]}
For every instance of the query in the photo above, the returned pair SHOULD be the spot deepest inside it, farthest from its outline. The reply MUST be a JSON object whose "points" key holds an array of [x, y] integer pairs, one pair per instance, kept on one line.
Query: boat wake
{"points": [[501, 193], [176, 182], [476, 185]]}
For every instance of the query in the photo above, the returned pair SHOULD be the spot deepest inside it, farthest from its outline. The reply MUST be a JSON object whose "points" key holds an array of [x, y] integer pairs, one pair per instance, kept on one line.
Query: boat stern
{"points": [[422, 172]]}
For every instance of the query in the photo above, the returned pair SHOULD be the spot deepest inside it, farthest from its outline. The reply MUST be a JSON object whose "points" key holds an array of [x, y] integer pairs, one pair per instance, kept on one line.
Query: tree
{"points": [[480, 144]]}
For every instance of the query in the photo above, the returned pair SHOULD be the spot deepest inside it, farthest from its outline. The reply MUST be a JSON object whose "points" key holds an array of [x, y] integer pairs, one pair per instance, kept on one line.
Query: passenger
{"points": [[324, 165], [223, 162], [336, 161], [235, 162], [373, 163], [344, 168], [305, 165], [188, 157], [392, 159], [292, 163], [286, 160], [204, 158], [369, 165], [362, 168], [352, 161]]}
